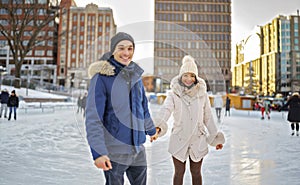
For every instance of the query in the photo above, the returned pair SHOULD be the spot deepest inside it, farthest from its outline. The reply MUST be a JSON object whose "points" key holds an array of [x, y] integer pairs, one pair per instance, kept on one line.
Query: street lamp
{"points": [[27, 84]]}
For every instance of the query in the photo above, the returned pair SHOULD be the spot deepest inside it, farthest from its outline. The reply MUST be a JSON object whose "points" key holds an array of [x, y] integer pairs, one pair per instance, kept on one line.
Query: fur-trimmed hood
{"points": [[110, 68], [103, 67]]}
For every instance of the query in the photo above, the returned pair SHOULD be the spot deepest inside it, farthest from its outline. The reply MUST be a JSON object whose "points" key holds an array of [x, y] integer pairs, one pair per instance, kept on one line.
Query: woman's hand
{"points": [[219, 147]]}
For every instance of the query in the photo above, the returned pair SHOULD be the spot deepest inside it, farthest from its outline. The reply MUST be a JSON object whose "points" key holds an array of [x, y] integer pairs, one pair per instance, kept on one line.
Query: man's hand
{"points": [[103, 162], [155, 136]]}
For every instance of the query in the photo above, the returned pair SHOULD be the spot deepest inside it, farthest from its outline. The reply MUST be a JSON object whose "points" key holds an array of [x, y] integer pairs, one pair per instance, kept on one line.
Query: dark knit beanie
{"points": [[13, 91], [118, 38]]}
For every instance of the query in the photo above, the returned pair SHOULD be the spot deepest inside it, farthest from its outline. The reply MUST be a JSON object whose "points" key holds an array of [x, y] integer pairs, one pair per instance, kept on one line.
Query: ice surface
{"points": [[50, 148]]}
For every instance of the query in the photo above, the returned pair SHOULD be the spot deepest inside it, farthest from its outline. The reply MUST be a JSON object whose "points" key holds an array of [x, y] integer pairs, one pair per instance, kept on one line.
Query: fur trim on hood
{"points": [[199, 88], [103, 67]]}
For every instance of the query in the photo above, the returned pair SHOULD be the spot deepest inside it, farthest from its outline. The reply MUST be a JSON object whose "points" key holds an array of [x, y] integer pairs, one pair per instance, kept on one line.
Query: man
{"points": [[4, 99], [13, 104], [117, 115]]}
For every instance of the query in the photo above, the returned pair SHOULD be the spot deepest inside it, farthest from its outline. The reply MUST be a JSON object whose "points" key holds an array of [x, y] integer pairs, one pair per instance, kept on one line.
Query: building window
{"points": [[19, 12], [74, 17], [42, 1], [39, 52], [50, 43], [3, 11], [107, 18], [49, 53]]}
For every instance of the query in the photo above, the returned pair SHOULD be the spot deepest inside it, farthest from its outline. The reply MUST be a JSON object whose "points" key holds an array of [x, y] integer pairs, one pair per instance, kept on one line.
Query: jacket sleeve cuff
{"points": [[151, 132], [214, 140], [95, 154]]}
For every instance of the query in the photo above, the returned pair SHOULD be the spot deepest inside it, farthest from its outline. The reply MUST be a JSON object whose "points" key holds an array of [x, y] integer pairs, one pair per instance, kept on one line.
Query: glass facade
{"points": [[198, 28]]}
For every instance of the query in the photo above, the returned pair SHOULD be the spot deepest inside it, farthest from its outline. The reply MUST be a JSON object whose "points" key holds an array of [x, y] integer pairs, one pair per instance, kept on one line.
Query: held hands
{"points": [[103, 162], [155, 136], [219, 147]]}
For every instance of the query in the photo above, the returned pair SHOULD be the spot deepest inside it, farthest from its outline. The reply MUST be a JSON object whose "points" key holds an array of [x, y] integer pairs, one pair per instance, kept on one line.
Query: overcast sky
{"points": [[246, 14]]}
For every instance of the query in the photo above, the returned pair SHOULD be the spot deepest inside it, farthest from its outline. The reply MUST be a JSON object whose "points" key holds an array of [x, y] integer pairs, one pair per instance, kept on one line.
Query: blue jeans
{"points": [[134, 165], [15, 112]]}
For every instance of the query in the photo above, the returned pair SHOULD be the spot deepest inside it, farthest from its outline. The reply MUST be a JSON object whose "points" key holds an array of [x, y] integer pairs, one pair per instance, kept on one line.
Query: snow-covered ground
{"points": [[29, 93], [50, 148]]}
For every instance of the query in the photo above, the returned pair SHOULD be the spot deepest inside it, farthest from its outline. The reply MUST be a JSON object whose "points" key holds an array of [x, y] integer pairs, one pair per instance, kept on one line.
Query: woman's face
{"points": [[188, 79], [124, 52]]}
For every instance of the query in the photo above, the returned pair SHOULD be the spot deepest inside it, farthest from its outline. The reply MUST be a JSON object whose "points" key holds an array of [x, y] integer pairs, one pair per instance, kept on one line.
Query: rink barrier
{"points": [[44, 107]]}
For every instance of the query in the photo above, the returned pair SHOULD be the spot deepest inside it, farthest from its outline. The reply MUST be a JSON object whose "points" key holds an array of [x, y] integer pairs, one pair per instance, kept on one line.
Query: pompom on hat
{"points": [[188, 66]]}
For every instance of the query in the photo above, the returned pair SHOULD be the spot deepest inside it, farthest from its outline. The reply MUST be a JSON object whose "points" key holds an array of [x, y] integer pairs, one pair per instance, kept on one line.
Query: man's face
{"points": [[124, 52]]}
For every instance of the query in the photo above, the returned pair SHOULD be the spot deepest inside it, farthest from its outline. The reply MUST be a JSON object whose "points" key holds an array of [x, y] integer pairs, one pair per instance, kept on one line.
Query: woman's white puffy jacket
{"points": [[192, 120]]}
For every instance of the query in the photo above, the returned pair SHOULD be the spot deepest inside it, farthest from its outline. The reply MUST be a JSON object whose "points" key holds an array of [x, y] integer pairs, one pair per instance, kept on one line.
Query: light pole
{"points": [[27, 84], [2, 69]]}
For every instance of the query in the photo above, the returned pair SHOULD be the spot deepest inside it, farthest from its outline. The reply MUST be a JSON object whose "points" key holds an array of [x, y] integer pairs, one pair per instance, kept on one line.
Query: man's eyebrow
{"points": [[121, 45]]}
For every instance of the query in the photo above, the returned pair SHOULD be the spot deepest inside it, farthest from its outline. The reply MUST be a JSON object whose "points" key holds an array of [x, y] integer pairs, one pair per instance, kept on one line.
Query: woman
{"points": [[293, 114], [190, 105]]}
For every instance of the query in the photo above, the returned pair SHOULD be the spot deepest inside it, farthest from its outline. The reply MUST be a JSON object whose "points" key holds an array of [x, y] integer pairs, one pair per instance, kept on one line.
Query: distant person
{"points": [[13, 104], [293, 105], [267, 106], [189, 104], [4, 99], [83, 103], [117, 115], [227, 106], [218, 104], [79, 104], [265, 109]]}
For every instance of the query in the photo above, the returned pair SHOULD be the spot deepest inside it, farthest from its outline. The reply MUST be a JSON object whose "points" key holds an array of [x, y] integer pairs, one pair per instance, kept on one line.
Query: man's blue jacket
{"points": [[117, 115]]}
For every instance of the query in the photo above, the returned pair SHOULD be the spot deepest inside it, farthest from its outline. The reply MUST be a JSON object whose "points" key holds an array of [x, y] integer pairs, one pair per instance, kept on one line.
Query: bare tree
{"points": [[27, 25]]}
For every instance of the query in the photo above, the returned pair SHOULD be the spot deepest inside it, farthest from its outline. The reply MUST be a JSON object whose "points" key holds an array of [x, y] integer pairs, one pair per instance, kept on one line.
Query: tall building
{"points": [[276, 68], [84, 35], [246, 75], [288, 68], [200, 28], [33, 24]]}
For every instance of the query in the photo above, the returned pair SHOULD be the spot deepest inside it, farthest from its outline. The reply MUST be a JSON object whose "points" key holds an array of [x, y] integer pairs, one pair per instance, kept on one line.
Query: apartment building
{"points": [[275, 68], [84, 35]]}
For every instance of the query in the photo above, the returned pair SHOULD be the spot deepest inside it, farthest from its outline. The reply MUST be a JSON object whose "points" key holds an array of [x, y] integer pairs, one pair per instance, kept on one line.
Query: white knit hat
{"points": [[188, 66]]}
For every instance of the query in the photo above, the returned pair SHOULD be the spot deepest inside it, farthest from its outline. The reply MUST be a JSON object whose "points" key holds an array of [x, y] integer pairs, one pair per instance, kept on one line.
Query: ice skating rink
{"points": [[50, 148]]}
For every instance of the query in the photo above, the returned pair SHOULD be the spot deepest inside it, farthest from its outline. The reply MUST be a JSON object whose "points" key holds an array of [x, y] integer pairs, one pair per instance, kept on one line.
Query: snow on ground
{"points": [[32, 93], [50, 148]]}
